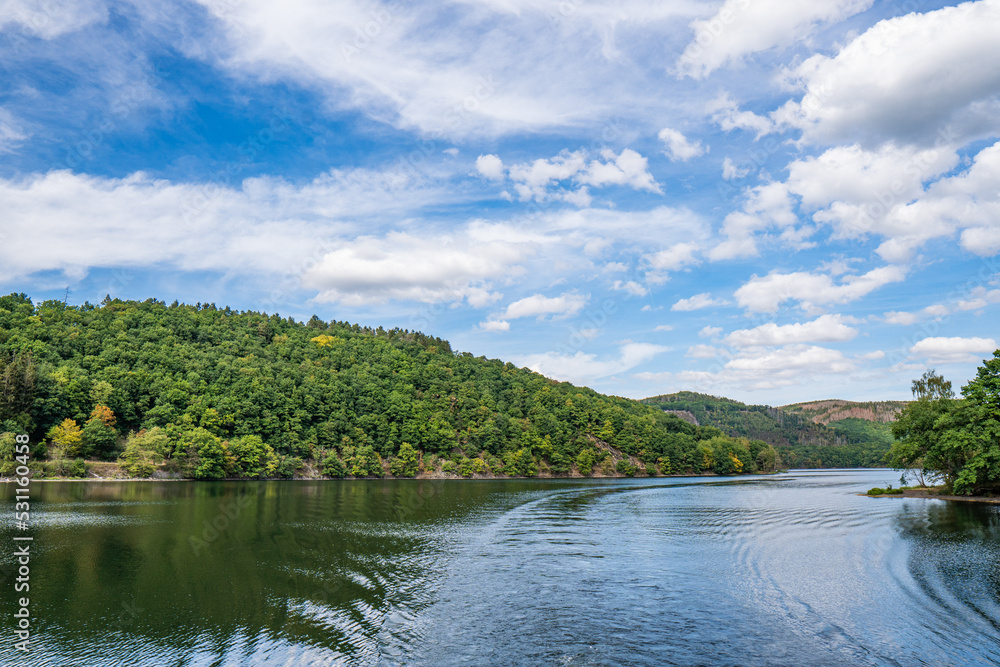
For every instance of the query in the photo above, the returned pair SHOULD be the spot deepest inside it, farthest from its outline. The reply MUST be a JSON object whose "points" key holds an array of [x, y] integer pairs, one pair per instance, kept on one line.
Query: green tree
{"points": [[99, 435], [585, 461], [252, 457], [333, 466], [66, 437], [406, 462]]}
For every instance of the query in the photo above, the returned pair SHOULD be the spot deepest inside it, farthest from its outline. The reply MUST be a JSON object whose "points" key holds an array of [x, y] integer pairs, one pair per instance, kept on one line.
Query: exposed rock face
{"points": [[824, 412], [685, 415]]}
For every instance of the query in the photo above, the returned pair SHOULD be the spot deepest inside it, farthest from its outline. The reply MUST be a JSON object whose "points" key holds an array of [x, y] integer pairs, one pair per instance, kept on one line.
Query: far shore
{"points": [[420, 476]]}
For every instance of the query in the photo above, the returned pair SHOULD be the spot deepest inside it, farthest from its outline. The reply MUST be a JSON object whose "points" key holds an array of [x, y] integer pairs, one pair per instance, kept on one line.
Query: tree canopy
{"points": [[211, 392], [956, 440]]}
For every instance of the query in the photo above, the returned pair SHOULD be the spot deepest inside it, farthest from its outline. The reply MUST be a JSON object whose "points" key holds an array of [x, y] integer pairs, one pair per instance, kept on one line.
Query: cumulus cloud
{"points": [[582, 368], [697, 302], [740, 28], [630, 286], [569, 175], [495, 325], [906, 79], [264, 228], [754, 371], [953, 350], [727, 114], [402, 267], [900, 317], [673, 258], [540, 306], [710, 332], [767, 207], [794, 358], [731, 172], [812, 291], [678, 147], [826, 328], [490, 166]]}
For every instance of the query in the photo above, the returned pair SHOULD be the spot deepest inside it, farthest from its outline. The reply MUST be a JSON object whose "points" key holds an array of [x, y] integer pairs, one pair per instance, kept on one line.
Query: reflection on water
{"points": [[790, 570]]}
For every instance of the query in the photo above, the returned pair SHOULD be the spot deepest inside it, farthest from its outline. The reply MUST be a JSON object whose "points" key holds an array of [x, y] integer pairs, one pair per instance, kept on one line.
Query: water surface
{"points": [[792, 569]]}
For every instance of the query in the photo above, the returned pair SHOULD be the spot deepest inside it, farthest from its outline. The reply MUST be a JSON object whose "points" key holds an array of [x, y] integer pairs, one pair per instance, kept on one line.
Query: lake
{"points": [[791, 569]]}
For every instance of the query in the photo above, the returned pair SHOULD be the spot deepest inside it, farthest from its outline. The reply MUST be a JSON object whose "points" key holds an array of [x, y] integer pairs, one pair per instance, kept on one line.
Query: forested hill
{"points": [[827, 434], [207, 392]]}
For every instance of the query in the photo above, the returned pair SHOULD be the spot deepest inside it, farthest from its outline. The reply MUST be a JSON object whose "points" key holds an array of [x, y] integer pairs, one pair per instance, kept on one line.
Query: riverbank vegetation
{"points": [[846, 442], [954, 441], [204, 392]]}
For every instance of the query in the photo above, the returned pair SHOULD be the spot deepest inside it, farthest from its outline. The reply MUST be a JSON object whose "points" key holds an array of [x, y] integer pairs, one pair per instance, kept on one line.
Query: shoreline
{"points": [[933, 496], [437, 476]]}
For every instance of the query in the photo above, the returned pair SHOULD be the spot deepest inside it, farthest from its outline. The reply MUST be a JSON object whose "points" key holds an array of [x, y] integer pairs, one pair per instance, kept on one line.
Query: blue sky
{"points": [[770, 201]]}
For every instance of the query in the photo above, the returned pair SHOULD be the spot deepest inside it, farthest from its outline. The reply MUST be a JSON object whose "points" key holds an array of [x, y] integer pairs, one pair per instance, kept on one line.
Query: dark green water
{"points": [[786, 570]]}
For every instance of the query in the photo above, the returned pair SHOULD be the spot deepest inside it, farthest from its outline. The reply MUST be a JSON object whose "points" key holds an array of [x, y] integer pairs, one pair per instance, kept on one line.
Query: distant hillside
{"points": [[825, 412], [822, 434]]}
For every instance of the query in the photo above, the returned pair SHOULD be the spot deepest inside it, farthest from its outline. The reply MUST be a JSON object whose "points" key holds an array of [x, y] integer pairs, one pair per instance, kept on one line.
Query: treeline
{"points": [[207, 392], [949, 440], [848, 443]]}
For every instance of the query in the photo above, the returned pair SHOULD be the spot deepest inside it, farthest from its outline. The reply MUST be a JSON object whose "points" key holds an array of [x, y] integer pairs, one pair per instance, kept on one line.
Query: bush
{"points": [[585, 461], [77, 469], [625, 468], [287, 465], [333, 466], [406, 463], [884, 492], [252, 457], [365, 463]]}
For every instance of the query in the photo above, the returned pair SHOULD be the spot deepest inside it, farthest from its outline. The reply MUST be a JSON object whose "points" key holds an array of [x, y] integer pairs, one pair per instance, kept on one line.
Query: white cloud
{"points": [[664, 327], [11, 131], [490, 166], [702, 351], [678, 147], [811, 290], [673, 258], [818, 360], [871, 356], [453, 69], [696, 302], [953, 350], [905, 79], [727, 114], [767, 206], [264, 228], [710, 332], [899, 317], [569, 175], [731, 172], [826, 328], [740, 28], [537, 305], [582, 368], [53, 18], [495, 325], [753, 371], [630, 286], [402, 267]]}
